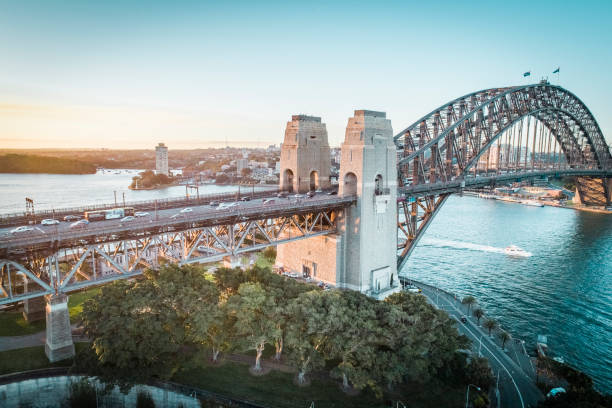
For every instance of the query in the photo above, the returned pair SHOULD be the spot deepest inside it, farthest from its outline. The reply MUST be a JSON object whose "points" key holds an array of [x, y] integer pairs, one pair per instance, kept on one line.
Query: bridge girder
{"points": [[72, 267], [451, 147]]}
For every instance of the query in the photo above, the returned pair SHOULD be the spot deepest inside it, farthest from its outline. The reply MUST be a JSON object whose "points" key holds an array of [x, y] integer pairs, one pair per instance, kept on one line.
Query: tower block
{"points": [[368, 169], [305, 158]]}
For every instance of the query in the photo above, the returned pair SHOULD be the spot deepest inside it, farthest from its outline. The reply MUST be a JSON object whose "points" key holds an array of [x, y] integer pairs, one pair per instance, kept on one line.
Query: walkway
{"points": [[517, 388]]}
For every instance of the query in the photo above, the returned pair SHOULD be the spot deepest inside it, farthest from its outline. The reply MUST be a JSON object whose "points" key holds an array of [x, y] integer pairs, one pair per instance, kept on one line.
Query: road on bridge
{"points": [[516, 388], [170, 215]]}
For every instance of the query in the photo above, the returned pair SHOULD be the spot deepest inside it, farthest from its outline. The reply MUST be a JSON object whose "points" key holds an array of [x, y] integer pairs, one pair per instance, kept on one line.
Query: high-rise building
{"points": [[161, 159]]}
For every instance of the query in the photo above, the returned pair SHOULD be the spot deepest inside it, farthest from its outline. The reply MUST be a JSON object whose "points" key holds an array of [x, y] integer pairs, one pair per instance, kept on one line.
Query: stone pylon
{"points": [[368, 169], [305, 157], [59, 345]]}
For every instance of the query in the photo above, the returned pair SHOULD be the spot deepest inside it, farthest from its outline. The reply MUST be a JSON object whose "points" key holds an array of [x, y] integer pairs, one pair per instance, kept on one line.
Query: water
{"points": [[563, 290], [68, 190]]}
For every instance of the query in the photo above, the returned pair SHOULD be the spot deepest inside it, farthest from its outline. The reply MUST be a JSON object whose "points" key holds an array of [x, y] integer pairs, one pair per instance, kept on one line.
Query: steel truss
{"points": [[73, 267], [489, 136]]}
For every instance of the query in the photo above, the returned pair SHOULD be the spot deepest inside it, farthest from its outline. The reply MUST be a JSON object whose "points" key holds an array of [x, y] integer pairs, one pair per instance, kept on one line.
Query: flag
{"points": [[526, 74], [556, 71]]}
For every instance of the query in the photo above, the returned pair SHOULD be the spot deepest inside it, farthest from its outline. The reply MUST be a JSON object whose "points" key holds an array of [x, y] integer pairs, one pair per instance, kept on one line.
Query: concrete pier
{"points": [[59, 345], [34, 309]]}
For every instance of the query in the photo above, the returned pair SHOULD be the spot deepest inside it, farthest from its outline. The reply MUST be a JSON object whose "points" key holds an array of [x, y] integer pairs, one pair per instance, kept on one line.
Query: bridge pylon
{"points": [[305, 156], [593, 191], [368, 169]]}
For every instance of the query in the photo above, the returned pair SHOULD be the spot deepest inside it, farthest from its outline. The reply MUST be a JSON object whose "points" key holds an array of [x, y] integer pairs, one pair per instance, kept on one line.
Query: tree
{"points": [[253, 309], [478, 372], [131, 340], [313, 321], [270, 253], [469, 301], [490, 324], [245, 172], [478, 314], [504, 336]]}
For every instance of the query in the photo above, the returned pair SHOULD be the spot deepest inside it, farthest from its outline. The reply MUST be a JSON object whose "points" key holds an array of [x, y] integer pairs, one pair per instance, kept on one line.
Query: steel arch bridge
{"points": [[496, 135]]}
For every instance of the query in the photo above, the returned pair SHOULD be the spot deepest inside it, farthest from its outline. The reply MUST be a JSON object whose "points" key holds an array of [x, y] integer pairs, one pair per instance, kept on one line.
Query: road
{"points": [[516, 389], [165, 217]]}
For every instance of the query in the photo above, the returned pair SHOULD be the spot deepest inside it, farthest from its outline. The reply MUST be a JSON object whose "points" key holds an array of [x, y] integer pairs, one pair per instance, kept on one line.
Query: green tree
{"points": [[504, 336], [478, 314], [131, 340], [490, 324], [253, 309], [469, 301], [313, 321], [270, 253], [478, 372]]}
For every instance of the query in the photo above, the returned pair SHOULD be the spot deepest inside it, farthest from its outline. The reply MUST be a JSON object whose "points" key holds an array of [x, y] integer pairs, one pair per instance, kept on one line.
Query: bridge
{"points": [[390, 189]]}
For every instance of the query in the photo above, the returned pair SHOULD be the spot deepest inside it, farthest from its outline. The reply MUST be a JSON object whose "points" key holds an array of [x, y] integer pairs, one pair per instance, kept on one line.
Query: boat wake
{"points": [[447, 243]]}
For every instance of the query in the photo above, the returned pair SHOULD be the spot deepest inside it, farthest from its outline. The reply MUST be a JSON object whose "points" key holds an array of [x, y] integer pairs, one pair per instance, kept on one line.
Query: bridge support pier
{"points": [[59, 345], [593, 191]]}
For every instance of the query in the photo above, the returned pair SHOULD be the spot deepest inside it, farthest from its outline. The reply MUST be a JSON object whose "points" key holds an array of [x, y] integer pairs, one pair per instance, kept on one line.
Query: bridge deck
{"points": [[61, 235]]}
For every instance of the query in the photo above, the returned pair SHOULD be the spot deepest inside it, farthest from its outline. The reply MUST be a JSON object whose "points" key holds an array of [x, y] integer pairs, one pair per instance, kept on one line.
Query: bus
{"points": [[111, 214]]}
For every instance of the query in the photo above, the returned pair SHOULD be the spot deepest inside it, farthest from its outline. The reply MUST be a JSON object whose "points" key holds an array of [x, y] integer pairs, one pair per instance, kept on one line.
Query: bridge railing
{"points": [[160, 204]]}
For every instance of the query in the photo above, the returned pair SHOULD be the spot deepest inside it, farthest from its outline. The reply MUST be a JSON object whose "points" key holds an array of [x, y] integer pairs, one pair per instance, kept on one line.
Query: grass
{"points": [[276, 389], [31, 358], [13, 323]]}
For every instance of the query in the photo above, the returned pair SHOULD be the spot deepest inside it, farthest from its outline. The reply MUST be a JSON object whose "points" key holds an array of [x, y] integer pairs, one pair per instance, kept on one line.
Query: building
{"points": [[161, 159], [242, 164]]}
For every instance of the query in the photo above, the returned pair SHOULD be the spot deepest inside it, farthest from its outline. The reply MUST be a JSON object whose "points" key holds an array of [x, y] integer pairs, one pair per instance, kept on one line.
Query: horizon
{"points": [[123, 76]]}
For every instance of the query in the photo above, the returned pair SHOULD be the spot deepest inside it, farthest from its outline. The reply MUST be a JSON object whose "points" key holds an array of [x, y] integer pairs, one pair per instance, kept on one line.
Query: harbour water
{"points": [[564, 290], [51, 191]]}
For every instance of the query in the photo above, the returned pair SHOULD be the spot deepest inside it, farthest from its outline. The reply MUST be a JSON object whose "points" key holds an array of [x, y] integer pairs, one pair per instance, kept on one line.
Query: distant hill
{"points": [[22, 163]]}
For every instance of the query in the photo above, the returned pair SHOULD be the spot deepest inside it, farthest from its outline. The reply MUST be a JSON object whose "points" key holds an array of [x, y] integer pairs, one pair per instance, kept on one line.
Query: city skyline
{"points": [[90, 75]]}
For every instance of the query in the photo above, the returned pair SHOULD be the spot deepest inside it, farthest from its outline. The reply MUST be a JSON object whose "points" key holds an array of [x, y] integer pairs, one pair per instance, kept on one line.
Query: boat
{"points": [[532, 203], [513, 250]]}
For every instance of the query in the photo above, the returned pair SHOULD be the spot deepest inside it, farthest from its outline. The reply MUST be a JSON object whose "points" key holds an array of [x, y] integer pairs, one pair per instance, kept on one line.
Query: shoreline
{"points": [[515, 200]]}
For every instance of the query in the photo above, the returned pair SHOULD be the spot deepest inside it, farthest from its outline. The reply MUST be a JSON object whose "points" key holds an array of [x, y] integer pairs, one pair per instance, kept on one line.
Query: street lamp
{"points": [[467, 394]]}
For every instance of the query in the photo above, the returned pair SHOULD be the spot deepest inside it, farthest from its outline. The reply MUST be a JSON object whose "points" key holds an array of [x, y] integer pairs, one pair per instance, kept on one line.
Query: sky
{"points": [[193, 74]]}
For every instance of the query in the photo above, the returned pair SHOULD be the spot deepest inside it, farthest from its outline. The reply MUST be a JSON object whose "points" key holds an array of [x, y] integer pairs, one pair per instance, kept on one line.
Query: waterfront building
{"points": [[161, 159]]}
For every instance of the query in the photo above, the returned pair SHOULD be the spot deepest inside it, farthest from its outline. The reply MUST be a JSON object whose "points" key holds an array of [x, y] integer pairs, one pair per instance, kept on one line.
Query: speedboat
{"points": [[513, 250], [532, 203]]}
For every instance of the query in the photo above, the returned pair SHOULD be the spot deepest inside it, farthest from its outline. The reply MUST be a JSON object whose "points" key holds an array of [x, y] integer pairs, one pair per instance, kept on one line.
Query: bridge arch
{"points": [[442, 152]]}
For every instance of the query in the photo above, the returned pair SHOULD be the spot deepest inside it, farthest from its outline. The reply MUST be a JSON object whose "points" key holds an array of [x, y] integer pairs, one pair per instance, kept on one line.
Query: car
{"points": [[282, 194], [318, 190], [23, 228], [310, 194], [463, 319], [72, 218], [79, 224], [412, 289], [49, 221], [214, 203], [269, 201], [186, 210], [332, 193], [227, 205], [298, 196], [141, 214], [128, 218], [245, 198]]}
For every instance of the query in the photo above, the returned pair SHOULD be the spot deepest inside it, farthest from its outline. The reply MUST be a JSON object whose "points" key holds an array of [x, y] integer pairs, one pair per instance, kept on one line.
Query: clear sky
{"points": [[121, 74]]}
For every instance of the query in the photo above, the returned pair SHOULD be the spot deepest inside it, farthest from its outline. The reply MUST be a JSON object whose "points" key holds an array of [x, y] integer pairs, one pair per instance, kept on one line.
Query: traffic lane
{"points": [[64, 226]]}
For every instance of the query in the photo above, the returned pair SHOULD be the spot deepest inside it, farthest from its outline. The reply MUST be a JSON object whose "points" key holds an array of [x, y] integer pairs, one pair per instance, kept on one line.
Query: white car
{"points": [[186, 210], [49, 221], [79, 224], [141, 214], [23, 228], [227, 205], [128, 218]]}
